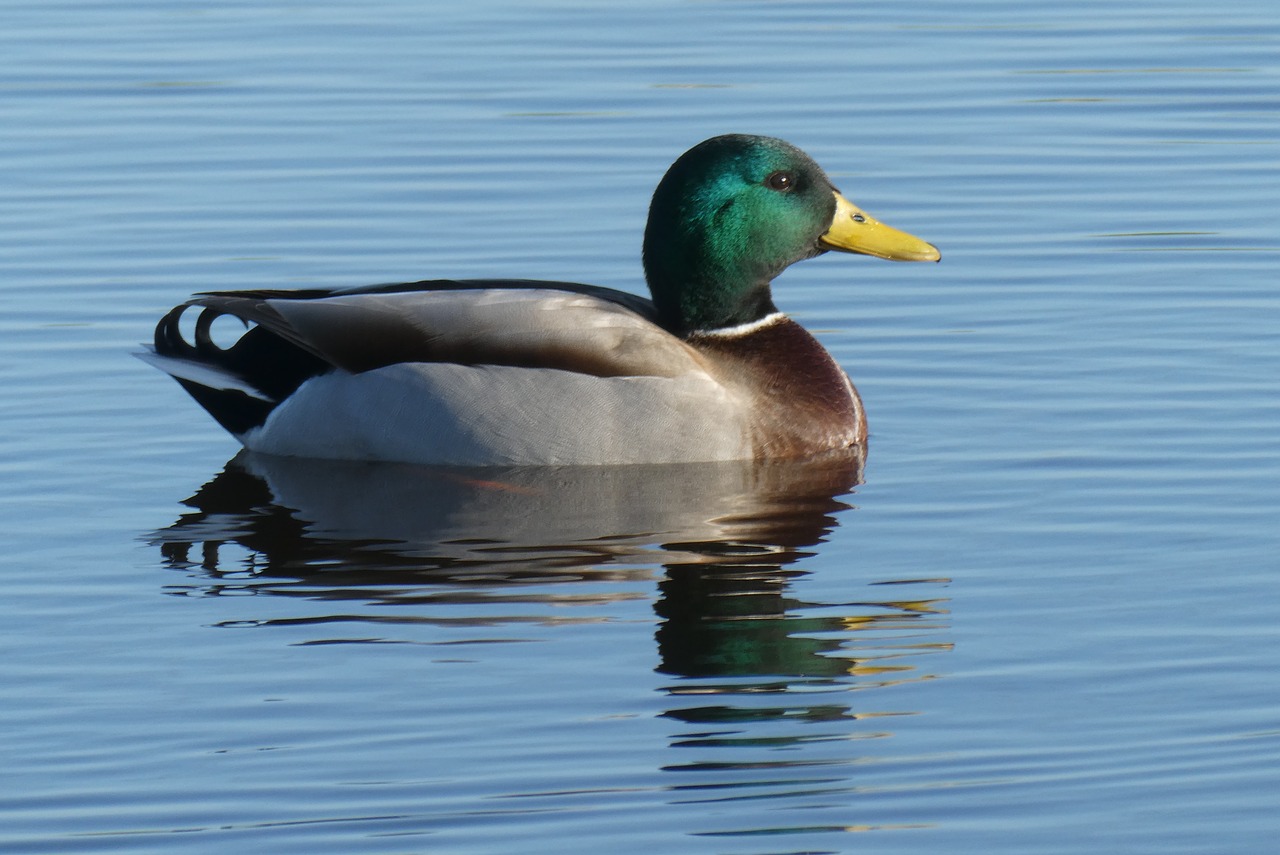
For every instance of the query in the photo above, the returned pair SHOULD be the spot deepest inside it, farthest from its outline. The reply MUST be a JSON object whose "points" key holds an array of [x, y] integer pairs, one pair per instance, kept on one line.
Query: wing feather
{"points": [[512, 324]]}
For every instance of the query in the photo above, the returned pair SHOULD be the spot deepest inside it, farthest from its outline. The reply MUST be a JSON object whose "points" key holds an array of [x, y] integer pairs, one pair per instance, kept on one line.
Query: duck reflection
{"points": [[727, 535], [282, 525], [749, 658]]}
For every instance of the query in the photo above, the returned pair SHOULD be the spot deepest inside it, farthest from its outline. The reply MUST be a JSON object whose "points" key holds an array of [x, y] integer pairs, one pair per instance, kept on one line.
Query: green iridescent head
{"points": [[731, 214]]}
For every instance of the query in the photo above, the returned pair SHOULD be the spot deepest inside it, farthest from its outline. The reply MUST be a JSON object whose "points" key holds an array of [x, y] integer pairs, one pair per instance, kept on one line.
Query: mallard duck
{"points": [[482, 372]]}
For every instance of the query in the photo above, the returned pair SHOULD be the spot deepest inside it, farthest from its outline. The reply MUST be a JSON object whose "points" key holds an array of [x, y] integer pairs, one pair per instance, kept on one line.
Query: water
{"points": [[1044, 622]]}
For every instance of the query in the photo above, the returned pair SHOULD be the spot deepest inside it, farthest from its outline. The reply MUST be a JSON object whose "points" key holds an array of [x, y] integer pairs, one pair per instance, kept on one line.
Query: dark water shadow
{"points": [[766, 688]]}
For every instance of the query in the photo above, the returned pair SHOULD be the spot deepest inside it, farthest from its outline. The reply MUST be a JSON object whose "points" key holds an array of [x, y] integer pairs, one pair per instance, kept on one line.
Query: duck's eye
{"points": [[781, 181]]}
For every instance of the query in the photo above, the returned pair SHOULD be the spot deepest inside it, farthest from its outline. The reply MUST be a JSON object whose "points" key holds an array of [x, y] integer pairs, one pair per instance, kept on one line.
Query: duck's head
{"points": [[732, 213]]}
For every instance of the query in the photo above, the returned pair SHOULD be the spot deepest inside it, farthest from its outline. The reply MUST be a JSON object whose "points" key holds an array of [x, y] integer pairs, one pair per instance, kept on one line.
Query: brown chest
{"points": [[801, 401]]}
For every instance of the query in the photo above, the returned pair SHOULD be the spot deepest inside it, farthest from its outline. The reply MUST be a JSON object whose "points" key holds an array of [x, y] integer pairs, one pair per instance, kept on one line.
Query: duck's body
{"points": [[501, 372]]}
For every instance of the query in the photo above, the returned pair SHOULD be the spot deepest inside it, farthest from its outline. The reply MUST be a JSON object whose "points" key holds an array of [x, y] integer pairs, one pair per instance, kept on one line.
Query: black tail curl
{"points": [[260, 359], [169, 340]]}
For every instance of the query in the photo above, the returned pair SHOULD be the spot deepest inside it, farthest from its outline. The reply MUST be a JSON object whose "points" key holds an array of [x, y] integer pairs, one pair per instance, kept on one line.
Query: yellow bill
{"points": [[854, 230]]}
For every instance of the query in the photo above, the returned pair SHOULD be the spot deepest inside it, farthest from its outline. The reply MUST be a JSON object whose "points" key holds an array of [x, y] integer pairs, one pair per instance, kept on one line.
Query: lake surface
{"points": [[1042, 616]]}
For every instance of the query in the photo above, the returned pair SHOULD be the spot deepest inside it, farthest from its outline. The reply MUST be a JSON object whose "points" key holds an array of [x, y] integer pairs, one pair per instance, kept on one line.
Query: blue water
{"points": [[1043, 618]]}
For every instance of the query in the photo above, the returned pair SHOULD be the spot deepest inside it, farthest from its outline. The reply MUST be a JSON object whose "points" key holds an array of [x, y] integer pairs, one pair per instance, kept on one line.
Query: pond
{"points": [[1042, 615]]}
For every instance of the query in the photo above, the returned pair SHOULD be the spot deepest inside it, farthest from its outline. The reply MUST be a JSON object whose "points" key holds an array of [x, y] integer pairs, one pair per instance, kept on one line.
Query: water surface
{"points": [[1040, 617]]}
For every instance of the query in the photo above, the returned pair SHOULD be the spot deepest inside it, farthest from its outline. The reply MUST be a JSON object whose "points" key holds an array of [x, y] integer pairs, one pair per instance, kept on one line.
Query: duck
{"points": [[499, 372]]}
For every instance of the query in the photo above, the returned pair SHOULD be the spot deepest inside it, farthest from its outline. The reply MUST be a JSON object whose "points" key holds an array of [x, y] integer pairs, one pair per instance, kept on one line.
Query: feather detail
{"points": [[493, 415], [527, 327], [202, 374]]}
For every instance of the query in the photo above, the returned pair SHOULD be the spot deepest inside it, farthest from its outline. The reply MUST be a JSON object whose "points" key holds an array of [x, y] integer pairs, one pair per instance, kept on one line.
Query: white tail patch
{"points": [[202, 375]]}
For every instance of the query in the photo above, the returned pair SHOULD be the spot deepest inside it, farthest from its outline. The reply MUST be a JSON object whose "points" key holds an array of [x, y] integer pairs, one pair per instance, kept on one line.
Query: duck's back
{"points": [[469, 373]]}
